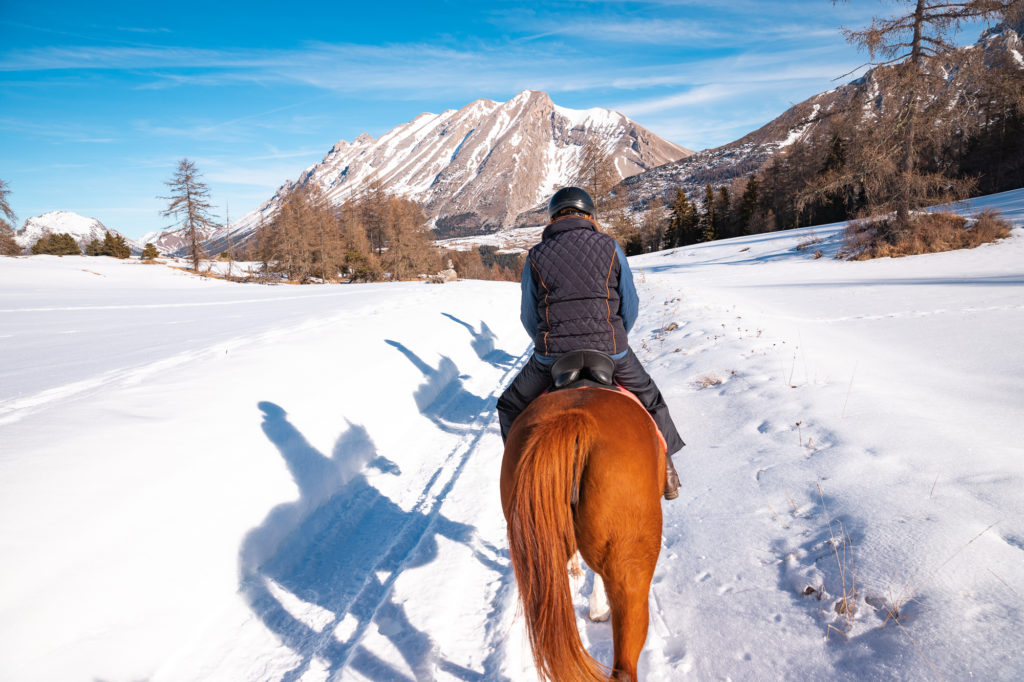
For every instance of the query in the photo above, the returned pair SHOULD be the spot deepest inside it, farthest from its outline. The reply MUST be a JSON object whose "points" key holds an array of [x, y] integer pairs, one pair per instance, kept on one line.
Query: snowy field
{"points": [[202, 480]]}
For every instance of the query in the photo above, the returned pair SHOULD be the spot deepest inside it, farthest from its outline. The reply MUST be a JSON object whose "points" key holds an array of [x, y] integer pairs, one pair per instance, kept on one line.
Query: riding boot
{"points": [[671, 479]]}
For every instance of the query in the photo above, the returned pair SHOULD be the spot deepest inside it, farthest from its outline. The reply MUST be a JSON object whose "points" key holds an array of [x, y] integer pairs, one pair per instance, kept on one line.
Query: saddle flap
{"points": [[583, 368]]}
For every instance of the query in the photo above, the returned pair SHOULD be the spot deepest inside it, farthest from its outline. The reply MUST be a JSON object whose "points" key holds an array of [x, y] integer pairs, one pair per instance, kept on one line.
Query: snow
{"points": [[796, 133], [596, 117], [202, 480]]}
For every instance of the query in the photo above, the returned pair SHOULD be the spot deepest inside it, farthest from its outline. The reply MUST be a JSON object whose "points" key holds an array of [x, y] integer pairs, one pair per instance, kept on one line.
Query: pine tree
{"points": [[723, 214], [190, 207], [115, 245], [748, 205], [684, 226], [62, 244], [709, 230], [149, 252]]}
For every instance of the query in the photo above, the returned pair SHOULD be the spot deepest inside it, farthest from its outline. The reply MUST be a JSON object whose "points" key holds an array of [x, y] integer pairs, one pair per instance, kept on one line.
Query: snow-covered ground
{"points": [[202, 480]]}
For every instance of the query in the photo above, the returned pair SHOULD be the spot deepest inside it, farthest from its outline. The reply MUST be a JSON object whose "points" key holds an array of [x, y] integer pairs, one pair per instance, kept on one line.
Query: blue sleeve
{"points": [[629, 308], [528, 309]]}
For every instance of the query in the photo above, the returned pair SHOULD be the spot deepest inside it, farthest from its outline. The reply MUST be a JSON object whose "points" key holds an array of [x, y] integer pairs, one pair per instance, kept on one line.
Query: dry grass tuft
{"points": [[928, 233], [811, 240], [707, 381], [842, 549]]}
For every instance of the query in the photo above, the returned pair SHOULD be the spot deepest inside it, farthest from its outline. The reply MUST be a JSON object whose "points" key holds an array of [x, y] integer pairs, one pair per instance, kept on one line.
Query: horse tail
{"points": [[542, 538]]}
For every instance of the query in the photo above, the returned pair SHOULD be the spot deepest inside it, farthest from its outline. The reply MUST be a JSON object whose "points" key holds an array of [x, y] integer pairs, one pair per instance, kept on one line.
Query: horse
{"points": [[583, 470]]}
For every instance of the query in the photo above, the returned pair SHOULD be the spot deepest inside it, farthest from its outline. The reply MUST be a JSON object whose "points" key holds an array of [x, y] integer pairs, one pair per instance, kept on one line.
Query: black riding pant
{"points": [[535, 378]]}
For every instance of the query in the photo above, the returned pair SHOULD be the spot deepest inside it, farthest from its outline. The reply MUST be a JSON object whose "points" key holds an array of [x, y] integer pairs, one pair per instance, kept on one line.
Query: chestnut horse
{"points": [[584, 469]]}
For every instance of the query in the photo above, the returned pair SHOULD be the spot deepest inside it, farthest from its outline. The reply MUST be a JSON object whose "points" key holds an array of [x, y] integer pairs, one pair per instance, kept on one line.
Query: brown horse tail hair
{"points": [[542, 538]]}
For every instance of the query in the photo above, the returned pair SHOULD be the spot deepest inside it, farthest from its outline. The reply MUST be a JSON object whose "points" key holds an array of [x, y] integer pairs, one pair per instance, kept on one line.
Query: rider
{"points": [[578, 294]]}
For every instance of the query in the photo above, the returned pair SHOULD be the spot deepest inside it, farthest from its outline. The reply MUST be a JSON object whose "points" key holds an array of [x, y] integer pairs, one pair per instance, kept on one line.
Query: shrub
{"points": [[62, 244], [149, 252], [928, 233], [8, 245], [112, 245]]}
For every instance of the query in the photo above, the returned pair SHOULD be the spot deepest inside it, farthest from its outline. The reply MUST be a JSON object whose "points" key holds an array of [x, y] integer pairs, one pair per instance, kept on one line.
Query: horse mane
{"points": [[542, 538]]}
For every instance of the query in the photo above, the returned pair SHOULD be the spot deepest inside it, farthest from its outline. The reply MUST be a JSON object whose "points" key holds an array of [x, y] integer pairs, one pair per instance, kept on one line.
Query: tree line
{"points": [[371, 237]]}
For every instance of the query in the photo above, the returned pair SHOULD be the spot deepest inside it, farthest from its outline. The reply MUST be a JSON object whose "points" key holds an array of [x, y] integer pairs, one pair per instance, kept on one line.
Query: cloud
{"points": [[424, 71], [65, 132], [702, 94]]}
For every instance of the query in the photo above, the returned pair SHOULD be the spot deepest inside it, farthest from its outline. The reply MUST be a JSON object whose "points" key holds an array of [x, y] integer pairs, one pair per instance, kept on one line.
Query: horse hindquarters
{"points": [[537, 492], [619, 524]]}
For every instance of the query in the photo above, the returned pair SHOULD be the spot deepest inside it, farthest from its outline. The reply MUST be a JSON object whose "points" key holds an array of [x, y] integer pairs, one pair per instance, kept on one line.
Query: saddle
{"points": [[580, 368], [592, 368]]}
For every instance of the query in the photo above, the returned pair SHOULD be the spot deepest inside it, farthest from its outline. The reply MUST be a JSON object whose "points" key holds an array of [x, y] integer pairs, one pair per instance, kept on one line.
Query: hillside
{"points": [[808, 119], [211, 481]]}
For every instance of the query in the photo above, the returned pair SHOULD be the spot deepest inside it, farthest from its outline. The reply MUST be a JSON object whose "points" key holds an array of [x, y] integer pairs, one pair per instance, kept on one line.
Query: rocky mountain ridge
{"points": [[474, 170]]}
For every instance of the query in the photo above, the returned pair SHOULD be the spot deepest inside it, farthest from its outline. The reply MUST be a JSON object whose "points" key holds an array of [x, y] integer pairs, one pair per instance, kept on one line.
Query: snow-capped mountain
{"points": [[176, 241], [479, 168], [83, 229]]}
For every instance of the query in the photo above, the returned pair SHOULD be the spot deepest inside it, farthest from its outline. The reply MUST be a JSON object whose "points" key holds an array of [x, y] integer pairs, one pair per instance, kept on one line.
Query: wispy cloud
{"points": [[698, 95], [410, 70], [138, 29], [66, 132]]}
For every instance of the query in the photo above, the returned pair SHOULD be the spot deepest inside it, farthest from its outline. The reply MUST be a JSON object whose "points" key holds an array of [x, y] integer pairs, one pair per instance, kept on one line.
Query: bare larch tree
{"points": [[915, 44], [190, 207], [8, 246]]}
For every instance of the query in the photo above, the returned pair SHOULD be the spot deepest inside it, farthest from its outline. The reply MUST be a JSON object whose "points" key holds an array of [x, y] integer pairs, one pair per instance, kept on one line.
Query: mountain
{"points": [[176, 241], [746, 155], [83, 229], [477, 169]]}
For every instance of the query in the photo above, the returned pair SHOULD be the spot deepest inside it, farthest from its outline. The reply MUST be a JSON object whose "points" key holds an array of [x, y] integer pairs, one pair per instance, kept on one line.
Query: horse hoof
{"points": [[600, 617], [672, 494]]}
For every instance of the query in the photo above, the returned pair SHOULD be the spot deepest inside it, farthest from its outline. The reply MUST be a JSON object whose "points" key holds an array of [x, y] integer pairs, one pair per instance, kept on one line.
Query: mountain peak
{"points": [[538, 96], [483, 167]]}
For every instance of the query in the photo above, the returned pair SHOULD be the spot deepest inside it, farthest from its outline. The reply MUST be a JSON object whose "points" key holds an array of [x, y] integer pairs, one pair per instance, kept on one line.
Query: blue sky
{"points": [[98, 101]]}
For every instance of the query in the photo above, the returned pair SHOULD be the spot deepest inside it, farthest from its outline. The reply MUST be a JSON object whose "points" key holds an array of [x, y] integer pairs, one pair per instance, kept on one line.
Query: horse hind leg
{"points": [[630, 618]]}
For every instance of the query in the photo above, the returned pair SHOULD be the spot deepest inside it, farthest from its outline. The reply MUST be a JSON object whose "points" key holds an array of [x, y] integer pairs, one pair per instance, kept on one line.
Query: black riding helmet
{"points": [[570, 197]]}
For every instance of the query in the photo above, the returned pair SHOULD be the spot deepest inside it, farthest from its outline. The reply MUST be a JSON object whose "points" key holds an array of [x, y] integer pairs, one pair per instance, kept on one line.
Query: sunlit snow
{"points": [[210, 481]]}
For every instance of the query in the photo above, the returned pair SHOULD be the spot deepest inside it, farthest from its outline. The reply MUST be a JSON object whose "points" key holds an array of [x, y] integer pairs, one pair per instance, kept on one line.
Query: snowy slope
{"points": [[83, 229], [208, 481]]}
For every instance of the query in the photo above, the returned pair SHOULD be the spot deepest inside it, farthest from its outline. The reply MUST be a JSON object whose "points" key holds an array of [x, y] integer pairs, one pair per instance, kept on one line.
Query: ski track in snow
{"points": [[417, 528]]}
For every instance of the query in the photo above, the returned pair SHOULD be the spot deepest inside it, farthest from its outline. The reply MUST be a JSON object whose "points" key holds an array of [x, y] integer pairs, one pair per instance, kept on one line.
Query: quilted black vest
{"points": [[575, 271]]}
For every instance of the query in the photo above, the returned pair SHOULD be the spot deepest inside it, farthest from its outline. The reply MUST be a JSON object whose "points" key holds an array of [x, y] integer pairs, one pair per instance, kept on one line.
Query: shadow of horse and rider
{"points": [[319, 571]]}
